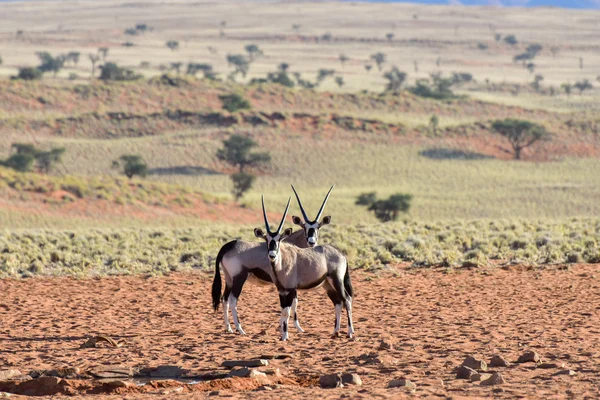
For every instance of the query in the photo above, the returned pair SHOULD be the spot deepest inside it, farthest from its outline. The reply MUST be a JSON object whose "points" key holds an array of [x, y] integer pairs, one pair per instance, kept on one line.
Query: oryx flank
{"points": [[242, 260], [294, 268]]}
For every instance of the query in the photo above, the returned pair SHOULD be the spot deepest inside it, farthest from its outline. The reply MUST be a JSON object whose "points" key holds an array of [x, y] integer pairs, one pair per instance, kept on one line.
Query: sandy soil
{"points": [[417, 325]]}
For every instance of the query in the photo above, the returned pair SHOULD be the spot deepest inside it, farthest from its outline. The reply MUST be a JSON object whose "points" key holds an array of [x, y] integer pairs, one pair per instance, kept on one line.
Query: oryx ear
{"points": [[287, 232], [259, 233], [297, 220], [326, 221]]}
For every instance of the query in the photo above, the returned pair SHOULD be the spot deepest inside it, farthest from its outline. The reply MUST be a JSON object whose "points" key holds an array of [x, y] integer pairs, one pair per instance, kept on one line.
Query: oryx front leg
{"points": [[295, 311], [285, 299]]}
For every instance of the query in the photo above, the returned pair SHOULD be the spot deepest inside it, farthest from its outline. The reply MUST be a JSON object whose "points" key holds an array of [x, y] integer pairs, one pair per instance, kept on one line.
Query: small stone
{"points": [[529, 356], [265, 388], [9, 373], [257, 374], [498, 390], [167, 371], [240, 372], [498, 361], [463, 372], [111, 372], [477, 377], [495, 379], [405, 383], [351, 379], [474, 363], [568, 372], [245, 363], [551, 365], [385, 345], [331, 381]]}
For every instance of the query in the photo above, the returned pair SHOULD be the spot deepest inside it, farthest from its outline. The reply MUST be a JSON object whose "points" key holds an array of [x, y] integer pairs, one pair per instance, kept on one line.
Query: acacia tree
{"points": [[395, 78], [94, 58], [50, 63], [238, 152], [379, 59], [343, 58], [253, 51], [583, 85], [172, 45], [520, 133], [104, 52], [239, 62], [388, 209]]}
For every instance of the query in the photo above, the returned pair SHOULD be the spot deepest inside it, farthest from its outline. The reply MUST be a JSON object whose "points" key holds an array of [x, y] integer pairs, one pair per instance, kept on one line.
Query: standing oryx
{"points": [[295, 268], [242, 260]]}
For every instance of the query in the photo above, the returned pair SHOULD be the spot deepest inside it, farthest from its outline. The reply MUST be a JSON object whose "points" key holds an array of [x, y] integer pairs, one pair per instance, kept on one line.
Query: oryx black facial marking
{"points": [[311, 227]]}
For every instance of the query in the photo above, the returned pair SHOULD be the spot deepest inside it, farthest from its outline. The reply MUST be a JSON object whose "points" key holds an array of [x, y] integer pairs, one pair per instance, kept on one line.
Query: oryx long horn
{"points": [[300, 204], [323, 205], [265, 214], [284, 216]]}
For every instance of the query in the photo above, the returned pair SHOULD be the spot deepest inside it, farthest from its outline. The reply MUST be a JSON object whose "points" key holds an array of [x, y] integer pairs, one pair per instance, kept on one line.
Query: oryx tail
{"points": [[216, 286]]}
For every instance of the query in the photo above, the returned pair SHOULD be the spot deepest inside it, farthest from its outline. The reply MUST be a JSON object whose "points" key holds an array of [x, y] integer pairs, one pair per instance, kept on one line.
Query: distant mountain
{"points": [[585, 4]]}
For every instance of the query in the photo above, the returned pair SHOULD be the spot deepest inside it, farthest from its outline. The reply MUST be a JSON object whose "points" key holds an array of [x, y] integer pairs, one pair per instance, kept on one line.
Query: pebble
{"points": [[463, 372], [529, 356], [474, 363], [495, 379], [395, 383], [498, 361]]}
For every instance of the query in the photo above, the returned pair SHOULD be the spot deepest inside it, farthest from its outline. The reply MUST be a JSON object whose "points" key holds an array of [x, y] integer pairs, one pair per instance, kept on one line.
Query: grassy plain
{"points": [[471, 204]]}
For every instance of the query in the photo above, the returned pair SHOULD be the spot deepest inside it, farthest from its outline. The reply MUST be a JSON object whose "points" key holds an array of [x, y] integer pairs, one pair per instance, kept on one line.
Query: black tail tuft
{"points": [[216, 286], [347, 283]]}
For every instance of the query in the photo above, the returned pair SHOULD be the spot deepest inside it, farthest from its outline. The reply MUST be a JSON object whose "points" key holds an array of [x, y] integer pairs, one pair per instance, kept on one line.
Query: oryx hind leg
{"points": [[345, 299], [236, 290], [225, 301], [337, 302], [295, 312], [286, 299]]}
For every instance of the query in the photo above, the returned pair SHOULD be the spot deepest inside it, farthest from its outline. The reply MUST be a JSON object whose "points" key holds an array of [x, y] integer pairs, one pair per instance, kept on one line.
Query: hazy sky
{"points": [[595, 4]]}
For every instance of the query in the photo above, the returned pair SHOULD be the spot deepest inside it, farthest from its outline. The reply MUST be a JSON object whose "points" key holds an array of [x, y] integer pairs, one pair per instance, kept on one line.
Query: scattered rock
{"points": [[568, 372], [474, 363], [6, 374], [530, 356], [351, 379], [241, 372], [111, 372], [405, 383], [167, 371], [385, 345], [257, 374], [495, 379], [463, 372], [244, 363], [477, 377], [68, 373], [275, 356], [272, 371], [93, 342], [44, 386], [331, 381], [498, 361], [551, 365]]}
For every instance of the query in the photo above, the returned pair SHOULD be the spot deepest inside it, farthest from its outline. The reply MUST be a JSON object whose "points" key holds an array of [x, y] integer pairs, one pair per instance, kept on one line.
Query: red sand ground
{"points": [[431, 320]]}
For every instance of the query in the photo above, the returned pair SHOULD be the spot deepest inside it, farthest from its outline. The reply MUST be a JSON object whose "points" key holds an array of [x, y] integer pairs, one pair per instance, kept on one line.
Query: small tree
{"points": [[45, 160], [339, 80], [482, 46], [19, 162], [583, 85], [234, 102], [385, 210], [343, 58], [132, 165], [511, 40], [176, 66], [112, 72], [554, 50], [73, 56], [29, 74], [537, 82], [323, 74], [434, 123], [296, 28], [242, 182], [497, 37], [567, 87], [379, 59], [26, 155], [50, 63], [103, 51], [395, 80], [520, 133], [94, 58], [239, 62], [193, 68], [237, 152], [253, 51], [1, 60], [580, 62], [172, 45], [389, 36], [368, 67]]}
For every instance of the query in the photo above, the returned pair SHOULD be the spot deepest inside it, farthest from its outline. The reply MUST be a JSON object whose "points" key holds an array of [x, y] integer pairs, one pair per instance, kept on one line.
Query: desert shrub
{"points": [[29, 74], [112, 72], [388, 209], [234, 102], [240, 63], [172, 45], [27, 155], [132, 165], [379, 59], [436, 88], [395, 79]]}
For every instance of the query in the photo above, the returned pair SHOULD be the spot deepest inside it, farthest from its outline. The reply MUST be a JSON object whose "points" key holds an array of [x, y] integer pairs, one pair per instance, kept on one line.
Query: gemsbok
{"points": [[294, 268], [243, 260]]}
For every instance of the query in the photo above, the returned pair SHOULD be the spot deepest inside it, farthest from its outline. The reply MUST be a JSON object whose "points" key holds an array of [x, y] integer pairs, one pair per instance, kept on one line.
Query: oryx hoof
{"points": [[228, 330], [240, 330], [335, 334], [299, 329]]}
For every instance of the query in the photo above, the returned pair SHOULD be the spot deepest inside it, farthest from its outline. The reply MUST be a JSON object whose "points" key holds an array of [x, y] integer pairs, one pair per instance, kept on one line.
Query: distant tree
{"points": [[323, 74], [580, 62], [379, 59], [242, 182], [434, 123], [194, 68], [395, 80], [567, 87], [281, 77], [511, 40], [234, 102], [343, 58], [29, 74], [296, 28], [1, 60], [212, 50], [368, 67], [554, 50], [94, 58], [437, 87], [482, 46], [385, 210], [73, 56], [583, 85], [45, 160], [131, 31], [520, 133], [112, 72], [141, 27], [127, 44], [339, 81], [283, 67], [497, 37], [103, 51], [50, 63], [326, 37], [172, 45], [253, 51], [238, 152], [239, 62], [132, 165], [176, 66], [389, 36], [26, 155], [536, 84], [416, 66], [530, 67], [438, 61], [459, 78], [523, 57]]}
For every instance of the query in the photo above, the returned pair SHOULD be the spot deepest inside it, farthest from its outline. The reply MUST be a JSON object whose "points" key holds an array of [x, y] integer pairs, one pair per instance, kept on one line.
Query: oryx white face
{"points": [[311, 229], [273, 241]]}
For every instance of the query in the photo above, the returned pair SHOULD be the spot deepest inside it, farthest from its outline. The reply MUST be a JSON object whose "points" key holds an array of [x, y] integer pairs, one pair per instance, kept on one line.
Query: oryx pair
{"points": [[292, 261]]}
